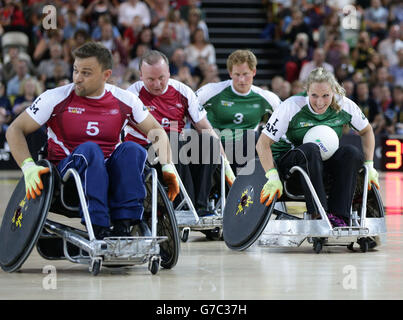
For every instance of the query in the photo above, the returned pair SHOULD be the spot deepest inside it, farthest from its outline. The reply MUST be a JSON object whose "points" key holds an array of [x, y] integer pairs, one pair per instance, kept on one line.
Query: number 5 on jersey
{"points": [[92, 128]]}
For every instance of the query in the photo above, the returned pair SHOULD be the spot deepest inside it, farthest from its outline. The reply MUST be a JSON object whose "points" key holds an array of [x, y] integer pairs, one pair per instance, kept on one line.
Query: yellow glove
{"points": [[372, 174], [229, 174], [169, 177], [32, 177], [272, 187]]}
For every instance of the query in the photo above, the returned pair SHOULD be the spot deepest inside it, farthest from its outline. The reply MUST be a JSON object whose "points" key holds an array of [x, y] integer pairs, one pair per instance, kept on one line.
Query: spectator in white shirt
{"points": [[376, 19], [200, 48], [390, 45], [396, 70], [131, 8], [318, 60]]}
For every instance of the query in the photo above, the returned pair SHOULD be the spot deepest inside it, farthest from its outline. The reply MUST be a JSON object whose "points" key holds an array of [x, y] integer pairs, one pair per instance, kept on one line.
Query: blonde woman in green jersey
{"points": [[281, 146]]}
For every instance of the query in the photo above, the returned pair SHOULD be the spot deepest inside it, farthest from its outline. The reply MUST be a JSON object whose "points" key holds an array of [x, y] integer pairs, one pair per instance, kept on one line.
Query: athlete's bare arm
{"points": [[368, 142], [264, 152], [204, 125], [157, 135], [16, 133]]}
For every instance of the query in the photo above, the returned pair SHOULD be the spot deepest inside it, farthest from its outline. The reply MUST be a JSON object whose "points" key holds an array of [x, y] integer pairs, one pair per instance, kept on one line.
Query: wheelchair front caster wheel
{"points": [[351, 246], [317, 245], [96, 267], [185, 234], [213, 234], [364, 244], [154, 265]]}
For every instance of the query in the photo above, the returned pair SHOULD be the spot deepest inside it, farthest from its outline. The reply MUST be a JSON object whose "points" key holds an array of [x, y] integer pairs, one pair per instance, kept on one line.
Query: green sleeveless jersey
{"points": [[227, 109], [289, 123]]}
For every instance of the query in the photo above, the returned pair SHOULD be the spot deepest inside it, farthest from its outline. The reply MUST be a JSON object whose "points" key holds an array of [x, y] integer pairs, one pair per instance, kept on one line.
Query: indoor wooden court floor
{"points": [[208, 270]]}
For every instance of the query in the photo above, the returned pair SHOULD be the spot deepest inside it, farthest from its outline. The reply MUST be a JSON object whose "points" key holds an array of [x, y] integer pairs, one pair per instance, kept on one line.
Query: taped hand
{"points": [[229, 174], [32, 177], [272, 187], [169, 177], [372, 175]]}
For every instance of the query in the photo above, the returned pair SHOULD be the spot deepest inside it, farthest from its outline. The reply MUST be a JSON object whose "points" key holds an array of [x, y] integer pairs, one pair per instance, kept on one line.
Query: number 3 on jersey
{"points": [[92, 128], [238, 118]]}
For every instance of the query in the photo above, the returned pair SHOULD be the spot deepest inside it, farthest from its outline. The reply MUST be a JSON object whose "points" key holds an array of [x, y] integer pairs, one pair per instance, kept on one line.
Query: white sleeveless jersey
{"points": [[72, 120]]}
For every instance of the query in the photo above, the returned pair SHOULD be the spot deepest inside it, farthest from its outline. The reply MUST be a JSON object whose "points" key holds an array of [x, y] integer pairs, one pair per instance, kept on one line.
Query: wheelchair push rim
{"points": [[166, 225]]}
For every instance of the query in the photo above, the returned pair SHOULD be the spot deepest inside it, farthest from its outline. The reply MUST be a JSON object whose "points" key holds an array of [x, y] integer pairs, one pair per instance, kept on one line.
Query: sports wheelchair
{"points": [[25, 225], [185, 213], [246, 220], [211, 226]]}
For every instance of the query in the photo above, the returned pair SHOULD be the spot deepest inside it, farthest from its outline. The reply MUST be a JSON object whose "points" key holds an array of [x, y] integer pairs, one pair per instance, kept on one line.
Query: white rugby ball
{"points": [[325, 137]]}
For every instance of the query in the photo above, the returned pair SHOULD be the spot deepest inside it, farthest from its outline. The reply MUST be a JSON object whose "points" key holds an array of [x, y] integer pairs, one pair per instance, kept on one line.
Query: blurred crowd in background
{"points": [[361, 41]]}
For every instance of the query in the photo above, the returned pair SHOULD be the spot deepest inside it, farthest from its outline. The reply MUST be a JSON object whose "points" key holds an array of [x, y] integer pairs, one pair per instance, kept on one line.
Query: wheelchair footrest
{"points": [[349, 232], [187, 219], [280, 241], [114, 250], [291, 233], [126, 249], [208, 222]]}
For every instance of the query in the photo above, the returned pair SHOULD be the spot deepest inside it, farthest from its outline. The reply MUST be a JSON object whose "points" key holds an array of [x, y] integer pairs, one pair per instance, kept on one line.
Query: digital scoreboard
{"points": [[391, 157]]}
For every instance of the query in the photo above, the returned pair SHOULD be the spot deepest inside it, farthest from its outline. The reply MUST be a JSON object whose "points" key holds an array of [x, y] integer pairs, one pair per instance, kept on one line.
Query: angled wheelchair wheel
{"points": [[23, 222], [375, 208], [166, 226], [245, 217]]}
